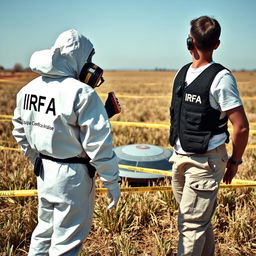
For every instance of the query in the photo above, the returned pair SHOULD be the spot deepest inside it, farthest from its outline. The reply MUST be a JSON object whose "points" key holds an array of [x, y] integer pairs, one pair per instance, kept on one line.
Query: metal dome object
{"points": [[146, 156]]}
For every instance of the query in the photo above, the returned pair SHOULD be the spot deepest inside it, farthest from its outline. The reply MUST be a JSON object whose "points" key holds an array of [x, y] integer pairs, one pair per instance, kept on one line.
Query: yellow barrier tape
{"points": [[147, 170], [242, 182], [248, 98], [128, 96], [4, 80], [154, 125], [235, 182], [163, 125], [5, 120], [156, 171], [6, 116], [33, 192], [8, 141], [10, 81], [12, 149], [18, 193], [251, 147], [137, 96], [140, 124]]}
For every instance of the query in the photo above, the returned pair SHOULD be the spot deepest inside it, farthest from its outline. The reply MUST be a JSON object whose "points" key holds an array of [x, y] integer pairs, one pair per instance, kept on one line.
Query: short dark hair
{"points": [[206, 32]]}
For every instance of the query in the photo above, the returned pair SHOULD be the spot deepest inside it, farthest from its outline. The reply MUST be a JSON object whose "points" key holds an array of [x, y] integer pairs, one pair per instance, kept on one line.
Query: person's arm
{"points": [[20, 135], [96, 139], [240, 135]]}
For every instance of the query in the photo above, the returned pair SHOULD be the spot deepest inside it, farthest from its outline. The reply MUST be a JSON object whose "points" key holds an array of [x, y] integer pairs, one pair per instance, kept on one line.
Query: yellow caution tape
{"points": [[8, 141], [18, 193], [248, 98], [147, 170], [137, 189], [138, 96], [250, 146], [235, 182], [140, 124], [163, 125], [8, 148], [6, 116], [161, 172], [10, 81], [153, 125], [4, 80], [5, 120], [33, 192], [128, 96], [243, 182]]}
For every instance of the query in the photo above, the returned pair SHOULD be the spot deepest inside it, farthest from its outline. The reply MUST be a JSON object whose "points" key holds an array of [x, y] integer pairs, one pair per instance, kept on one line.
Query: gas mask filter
{"points": [[91, 74]]}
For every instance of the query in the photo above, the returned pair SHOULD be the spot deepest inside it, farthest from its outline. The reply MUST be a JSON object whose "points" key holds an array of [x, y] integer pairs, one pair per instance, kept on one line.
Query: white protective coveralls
{"points": [[61, 117]]}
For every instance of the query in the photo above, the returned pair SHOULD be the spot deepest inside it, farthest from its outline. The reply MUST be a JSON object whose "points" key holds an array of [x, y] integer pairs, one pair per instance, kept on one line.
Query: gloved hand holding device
{"points": [[112, 105]]}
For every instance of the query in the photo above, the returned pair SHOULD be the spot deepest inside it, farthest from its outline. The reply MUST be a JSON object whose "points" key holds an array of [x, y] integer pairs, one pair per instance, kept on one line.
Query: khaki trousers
{"points": [[195, 183]]}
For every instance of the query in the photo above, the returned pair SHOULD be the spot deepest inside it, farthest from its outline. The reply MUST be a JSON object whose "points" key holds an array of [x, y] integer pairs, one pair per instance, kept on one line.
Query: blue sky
{"points": [[134, 34]]}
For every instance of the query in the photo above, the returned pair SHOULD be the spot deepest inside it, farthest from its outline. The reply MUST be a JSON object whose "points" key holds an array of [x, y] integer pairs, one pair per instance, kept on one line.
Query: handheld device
{"points": [[112, 105]]}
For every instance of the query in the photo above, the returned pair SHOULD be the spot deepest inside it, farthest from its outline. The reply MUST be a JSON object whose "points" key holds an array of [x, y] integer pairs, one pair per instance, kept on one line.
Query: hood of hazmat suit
{"points": [[66, 57], [59, 116]]}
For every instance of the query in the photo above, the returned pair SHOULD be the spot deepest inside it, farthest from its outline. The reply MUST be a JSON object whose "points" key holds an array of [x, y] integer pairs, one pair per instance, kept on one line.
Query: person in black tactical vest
{"points": [[204, 98]]}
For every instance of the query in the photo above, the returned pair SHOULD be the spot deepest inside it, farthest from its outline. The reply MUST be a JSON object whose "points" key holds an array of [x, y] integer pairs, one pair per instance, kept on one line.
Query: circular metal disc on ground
{"points": [[143, 155]]}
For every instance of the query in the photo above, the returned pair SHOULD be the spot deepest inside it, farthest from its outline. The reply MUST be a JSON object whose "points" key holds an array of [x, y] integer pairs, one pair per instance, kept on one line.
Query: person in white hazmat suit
{"points": [[58, 120]]}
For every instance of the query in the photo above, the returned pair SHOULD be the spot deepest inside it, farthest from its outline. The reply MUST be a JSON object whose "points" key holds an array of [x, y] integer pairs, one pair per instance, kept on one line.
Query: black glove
{"points": [[112, 105]]}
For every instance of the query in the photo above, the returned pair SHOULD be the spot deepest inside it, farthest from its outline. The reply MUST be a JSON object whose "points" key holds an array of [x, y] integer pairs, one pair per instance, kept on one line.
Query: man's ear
{"points": [[216, 45]]}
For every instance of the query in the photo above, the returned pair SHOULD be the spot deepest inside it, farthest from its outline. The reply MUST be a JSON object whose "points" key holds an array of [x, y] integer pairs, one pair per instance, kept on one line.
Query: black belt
{"points": [[71, 160]]}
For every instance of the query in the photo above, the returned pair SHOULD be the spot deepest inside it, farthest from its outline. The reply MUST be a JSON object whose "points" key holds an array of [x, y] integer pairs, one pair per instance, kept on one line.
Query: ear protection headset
{"points": [[91, 74], [190, 44]]}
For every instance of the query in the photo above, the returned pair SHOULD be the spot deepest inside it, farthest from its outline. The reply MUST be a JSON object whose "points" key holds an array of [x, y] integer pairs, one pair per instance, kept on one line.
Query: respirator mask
{"points": [[91, 74]]}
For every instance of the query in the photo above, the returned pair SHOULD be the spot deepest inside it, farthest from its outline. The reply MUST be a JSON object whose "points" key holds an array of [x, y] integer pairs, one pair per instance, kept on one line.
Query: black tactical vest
{"points": [[193, 119]]}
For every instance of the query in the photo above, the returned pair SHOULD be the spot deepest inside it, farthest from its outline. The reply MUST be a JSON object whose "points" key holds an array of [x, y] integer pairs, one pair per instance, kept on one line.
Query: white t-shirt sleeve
{"points": [[224, 91]]}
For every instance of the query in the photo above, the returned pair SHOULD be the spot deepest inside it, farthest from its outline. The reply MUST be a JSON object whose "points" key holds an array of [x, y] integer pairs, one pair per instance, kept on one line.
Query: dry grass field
{"points": [[143, 223]]}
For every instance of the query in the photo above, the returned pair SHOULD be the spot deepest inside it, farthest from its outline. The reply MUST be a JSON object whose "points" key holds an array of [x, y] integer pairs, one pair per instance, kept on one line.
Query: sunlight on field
{"points": [[145, 223]]}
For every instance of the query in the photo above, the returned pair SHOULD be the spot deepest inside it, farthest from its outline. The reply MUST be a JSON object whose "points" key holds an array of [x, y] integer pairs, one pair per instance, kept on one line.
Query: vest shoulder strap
{"points": [[207, 76]]}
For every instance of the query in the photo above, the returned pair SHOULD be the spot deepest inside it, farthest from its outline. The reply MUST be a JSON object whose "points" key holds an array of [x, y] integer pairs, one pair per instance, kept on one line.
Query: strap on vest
{"points": [[222, 127]]}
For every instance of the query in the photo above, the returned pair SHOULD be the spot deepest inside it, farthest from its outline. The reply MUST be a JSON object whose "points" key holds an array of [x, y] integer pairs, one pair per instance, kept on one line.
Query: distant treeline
{"points": [[19, 68]]}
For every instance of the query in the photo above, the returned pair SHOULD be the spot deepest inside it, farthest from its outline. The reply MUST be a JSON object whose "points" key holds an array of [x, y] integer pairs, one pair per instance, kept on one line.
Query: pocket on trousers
{"points": [[204, 185], [204, 202], [218, 162]]}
